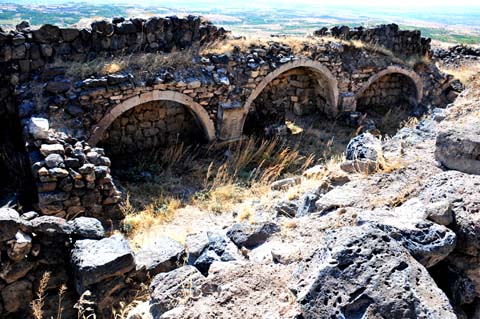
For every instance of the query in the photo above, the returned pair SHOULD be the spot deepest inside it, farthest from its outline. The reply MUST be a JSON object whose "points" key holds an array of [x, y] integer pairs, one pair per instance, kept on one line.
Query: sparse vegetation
{"points": [[37, 304], [138, 64], [464, 72]]}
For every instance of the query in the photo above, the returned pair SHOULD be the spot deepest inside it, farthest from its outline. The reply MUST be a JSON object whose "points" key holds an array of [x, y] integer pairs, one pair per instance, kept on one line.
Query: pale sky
{"points": [[458, 4]]}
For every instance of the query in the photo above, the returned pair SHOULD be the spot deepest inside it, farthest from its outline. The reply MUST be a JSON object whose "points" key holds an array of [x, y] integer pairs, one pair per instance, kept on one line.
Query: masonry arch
{"points": [[320, 74], [389, 98], [198, 112], [414, 79]]}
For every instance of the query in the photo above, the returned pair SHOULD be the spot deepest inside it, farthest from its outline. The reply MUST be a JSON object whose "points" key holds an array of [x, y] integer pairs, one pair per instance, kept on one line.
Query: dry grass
{"points": [[138, 64], [228, 46], [37, 304], [465, 72]]}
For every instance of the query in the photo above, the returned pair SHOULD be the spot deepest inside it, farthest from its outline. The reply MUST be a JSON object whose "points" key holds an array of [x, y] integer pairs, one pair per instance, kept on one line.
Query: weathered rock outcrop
{"points": [[362, 272]]}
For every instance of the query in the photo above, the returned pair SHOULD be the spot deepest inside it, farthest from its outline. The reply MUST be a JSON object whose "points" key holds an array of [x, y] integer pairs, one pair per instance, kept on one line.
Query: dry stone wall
{"points": [[128, 112], [404, 42], [293, 93], [392, 89], [148, 127], [219, 90], [73, 179]]}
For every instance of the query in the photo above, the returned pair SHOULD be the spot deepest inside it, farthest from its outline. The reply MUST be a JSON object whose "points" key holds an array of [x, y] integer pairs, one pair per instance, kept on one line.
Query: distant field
{"points": [[456, 26]]}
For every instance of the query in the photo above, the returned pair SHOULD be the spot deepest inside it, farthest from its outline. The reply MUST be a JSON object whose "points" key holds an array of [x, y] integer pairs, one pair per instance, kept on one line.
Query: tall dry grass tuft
{"points": [[250, 166], [37, 304]]}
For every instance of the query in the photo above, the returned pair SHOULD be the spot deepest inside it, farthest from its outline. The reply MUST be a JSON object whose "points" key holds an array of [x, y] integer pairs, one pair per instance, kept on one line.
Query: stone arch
{"points": [[315, 67], [414, 78], [197, 110]]}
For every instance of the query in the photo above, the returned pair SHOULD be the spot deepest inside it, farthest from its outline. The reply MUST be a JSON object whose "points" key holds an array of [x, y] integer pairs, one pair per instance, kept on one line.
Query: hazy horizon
{"points": [[438, 19]]}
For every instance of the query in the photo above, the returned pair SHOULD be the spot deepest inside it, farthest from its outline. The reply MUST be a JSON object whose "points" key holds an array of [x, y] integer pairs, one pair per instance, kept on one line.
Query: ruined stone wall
{"points": [[27, 54], [390, 90], [72, 178], [148, 127], [28, 50], [402, 42], [62, 252], [294, 93]]}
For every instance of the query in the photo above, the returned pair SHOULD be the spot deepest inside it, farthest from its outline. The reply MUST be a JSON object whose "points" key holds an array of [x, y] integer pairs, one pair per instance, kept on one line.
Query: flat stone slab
{"points": [[162, 255], [96, 260]]}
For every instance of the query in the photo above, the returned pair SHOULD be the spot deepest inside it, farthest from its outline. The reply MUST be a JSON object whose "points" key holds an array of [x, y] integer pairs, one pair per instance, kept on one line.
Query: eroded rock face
{"points": [[362, 273], [427, 242], [461, 190]]}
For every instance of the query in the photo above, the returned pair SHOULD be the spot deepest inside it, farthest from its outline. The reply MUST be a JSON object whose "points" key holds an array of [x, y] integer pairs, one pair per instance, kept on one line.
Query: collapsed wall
{"points": [[404, 42]]}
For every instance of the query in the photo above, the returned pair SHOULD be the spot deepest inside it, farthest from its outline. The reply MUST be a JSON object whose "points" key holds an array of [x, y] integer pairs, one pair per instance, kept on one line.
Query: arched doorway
{"points": [[297, 89], [390, 97], [150, 122]]}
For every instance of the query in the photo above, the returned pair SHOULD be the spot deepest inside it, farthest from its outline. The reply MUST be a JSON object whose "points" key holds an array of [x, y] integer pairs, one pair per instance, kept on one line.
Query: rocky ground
{"points": [[397, 237]]}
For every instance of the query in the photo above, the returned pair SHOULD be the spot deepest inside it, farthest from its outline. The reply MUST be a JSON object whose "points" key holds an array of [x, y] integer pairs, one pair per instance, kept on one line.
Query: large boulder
{"points": [[458, 148], [363, 273], [461, 191], [168, 288], [249, 236], [427, 242], [363, 154], [161, 255], [96, 260], [364, 147]]}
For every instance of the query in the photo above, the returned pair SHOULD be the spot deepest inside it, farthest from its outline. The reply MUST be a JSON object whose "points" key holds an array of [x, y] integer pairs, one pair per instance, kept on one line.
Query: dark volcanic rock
{"points": [[461, 190], [205, 248], [167, 288], [87, 228], [364, 147], [161, 255], [249, 236], [51, 226], [96, 260], [363, 273], [427, 242], [56, 87], [47, 34]]}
